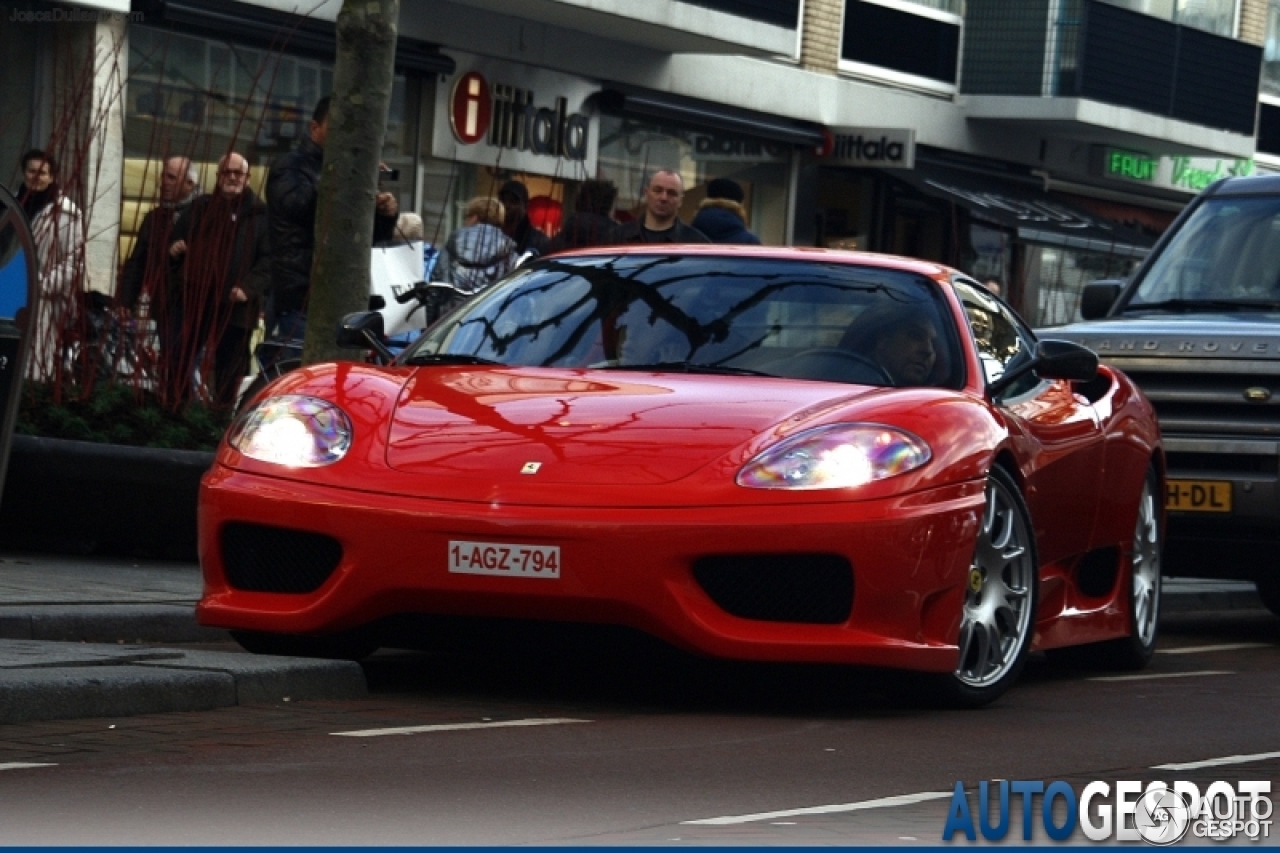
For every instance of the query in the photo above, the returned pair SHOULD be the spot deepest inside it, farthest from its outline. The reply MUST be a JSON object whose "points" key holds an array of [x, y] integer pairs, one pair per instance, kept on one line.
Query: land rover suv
{"points": [[1198, 328]]}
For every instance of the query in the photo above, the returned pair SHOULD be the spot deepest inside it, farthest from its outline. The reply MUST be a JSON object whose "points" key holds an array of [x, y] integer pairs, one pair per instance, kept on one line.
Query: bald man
{"points": [[223, 246], [659, 222]]}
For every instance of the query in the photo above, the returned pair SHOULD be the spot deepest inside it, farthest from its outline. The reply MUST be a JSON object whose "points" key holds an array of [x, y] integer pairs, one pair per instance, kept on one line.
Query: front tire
{"points": [[347, 645], [998, 617]]}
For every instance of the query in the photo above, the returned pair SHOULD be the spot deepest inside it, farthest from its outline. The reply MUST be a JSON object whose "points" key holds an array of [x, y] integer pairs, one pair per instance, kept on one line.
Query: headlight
{"points": [[839, 456], [294, 431]]}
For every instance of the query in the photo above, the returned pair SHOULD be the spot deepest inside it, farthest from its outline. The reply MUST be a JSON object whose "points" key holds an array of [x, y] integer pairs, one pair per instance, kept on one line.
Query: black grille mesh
{"points": [[808, 588], [258, 558]]}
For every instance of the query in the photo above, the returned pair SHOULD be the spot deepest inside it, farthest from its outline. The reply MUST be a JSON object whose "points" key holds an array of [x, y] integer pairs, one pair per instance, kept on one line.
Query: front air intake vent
{"points": [[806, 588], [258, 558]]}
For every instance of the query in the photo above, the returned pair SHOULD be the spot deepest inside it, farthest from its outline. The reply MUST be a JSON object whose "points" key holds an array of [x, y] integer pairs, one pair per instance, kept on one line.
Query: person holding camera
{"points": [[292, 190]]}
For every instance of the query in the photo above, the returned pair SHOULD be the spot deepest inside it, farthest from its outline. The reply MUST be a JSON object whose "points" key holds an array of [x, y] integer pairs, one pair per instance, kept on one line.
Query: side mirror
{"points": [[363, 330], [1065, 360], [1053, 360], [1098, 298]]}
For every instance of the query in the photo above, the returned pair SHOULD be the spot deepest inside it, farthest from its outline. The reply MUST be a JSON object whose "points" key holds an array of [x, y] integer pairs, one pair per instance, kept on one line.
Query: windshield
{"points": [[1225, 256], [707, 314]]}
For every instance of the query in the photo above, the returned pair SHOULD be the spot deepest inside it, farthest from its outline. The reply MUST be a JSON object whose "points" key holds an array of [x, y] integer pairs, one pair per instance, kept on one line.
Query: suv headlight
{"points": [[294, 431], [838, 456]]}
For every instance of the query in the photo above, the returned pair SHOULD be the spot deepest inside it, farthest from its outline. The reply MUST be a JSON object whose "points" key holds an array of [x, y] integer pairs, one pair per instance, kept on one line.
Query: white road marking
{"points": [[1225, 647], [456, 727], [1155, 675], [883, 802], [1219, 762], [22, 765]]}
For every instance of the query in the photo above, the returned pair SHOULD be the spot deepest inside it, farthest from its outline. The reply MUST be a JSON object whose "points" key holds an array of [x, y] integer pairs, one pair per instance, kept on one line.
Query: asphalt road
{"points": [[601, 740]]}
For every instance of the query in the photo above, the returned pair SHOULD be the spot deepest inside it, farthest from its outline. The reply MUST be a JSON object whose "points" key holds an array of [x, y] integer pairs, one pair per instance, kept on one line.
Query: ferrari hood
{"points": [[576, 427]]}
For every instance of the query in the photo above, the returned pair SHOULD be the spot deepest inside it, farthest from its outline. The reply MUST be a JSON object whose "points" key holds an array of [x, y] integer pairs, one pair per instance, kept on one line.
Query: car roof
{"points": [[787, 253], [1248, 185]]}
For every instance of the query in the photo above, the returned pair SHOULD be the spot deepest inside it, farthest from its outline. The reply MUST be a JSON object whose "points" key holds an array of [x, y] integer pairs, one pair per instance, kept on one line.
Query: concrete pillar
{"points": [[90, 67]]}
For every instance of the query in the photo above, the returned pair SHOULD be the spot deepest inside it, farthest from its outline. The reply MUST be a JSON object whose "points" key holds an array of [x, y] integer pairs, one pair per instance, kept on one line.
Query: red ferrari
{"points": [[763, 454]]}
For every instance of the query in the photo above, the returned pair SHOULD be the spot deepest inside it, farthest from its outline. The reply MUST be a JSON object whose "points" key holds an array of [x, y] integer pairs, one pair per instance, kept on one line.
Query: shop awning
{"points": [[270, 29], [1036, 216], [659, 106]]}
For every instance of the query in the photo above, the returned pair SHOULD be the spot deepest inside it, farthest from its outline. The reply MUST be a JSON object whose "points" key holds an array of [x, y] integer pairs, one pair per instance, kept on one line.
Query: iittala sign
{"points": [[511, 116], [883, 147]]}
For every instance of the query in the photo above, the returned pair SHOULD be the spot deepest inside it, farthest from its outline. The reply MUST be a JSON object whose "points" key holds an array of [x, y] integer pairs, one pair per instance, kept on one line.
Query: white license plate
{"points": [[494, 558]]}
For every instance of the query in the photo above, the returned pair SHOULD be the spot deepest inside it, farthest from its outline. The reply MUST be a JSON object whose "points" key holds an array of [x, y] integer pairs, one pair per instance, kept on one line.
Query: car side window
{"points": [[1002, 340]]}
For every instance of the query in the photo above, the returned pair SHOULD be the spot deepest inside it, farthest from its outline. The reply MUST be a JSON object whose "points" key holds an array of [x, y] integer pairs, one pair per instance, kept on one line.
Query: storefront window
{"points": [[1214, 16], [631, 149], [845, 205], [1056, 277], [200, 98]]}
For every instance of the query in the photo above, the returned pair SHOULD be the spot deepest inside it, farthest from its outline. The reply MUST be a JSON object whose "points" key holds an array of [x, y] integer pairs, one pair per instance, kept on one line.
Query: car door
{"points": [[1055, 429]]}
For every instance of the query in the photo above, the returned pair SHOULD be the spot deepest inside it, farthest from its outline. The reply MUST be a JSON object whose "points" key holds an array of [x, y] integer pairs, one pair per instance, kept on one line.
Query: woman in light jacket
{"points": [[58, 230]]}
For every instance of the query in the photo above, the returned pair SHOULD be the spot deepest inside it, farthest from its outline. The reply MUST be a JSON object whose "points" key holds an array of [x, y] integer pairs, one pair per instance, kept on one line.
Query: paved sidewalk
{"points": [[86, 637], [93, 636]]}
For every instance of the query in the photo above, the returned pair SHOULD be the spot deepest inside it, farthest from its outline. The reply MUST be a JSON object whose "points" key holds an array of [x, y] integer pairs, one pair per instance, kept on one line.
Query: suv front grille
{"points": [[1208, 403]]}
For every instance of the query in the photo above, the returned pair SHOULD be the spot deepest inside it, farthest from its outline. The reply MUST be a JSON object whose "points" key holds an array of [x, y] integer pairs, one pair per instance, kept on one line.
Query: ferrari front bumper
{"points": [[909, 555]]}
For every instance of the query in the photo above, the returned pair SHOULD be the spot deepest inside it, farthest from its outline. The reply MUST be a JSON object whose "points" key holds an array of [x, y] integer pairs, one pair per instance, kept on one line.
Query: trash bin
{"points": [[17, 298]]}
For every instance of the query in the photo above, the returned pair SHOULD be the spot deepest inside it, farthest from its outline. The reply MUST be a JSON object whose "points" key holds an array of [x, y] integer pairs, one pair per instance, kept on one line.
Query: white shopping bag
{"points": [[394, 270]]}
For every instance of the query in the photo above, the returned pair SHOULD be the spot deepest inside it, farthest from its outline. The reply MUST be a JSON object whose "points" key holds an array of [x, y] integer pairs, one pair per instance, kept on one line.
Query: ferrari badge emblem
{"points": [[530, 467]]}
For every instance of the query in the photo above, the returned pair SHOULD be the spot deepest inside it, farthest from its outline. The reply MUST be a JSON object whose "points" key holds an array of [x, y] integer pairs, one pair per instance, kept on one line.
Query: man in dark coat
{"points": [[658, 222], [223, 243], [147, 268], [721, 215], [148, 276], [527, 236], [292, 191]]}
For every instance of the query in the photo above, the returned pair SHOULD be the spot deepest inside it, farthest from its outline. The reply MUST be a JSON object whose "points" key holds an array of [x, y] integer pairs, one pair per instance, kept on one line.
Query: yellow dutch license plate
{"points": [[1198, 496]]}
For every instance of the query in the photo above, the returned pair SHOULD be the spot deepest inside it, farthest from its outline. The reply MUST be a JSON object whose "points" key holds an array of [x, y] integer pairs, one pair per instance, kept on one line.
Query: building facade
{"points": [[1041, 142]]}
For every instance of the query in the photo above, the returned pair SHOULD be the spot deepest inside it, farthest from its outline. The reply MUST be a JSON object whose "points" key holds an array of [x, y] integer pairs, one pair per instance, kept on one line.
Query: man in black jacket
{"points": [[292, 189], [659, 222], [147, 269], [223, 241], [149, 277]]}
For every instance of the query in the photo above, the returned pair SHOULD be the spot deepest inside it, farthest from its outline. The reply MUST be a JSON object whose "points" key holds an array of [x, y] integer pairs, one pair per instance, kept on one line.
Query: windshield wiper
{"points": [[1183, 305], [687, 367], [449, 358]]}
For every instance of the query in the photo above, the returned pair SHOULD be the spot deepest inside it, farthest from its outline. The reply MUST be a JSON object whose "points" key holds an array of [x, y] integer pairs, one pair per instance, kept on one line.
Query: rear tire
{"points": [[355, 645], [1001, 592]]}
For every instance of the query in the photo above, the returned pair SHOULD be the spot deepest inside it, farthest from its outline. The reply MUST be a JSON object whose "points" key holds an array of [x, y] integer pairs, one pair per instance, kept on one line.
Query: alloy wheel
{"points": [[1146, 568], [995, 627]]}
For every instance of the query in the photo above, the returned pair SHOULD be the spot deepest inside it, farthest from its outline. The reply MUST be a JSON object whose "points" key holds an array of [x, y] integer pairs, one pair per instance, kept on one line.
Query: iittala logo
{"points": [[508, 116]]}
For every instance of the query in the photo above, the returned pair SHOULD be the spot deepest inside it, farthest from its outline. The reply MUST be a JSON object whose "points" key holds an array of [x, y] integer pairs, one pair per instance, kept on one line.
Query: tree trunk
{"points": [[362, 77]]}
